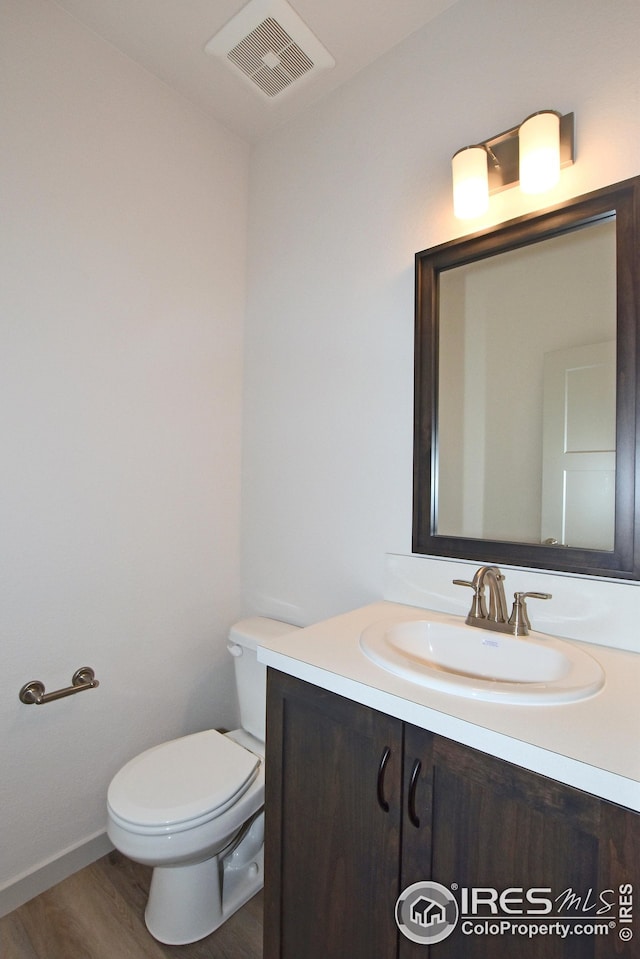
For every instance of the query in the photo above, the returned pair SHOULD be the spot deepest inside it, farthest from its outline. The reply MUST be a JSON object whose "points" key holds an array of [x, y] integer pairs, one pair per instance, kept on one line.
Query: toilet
{"points": [[193, 808]]}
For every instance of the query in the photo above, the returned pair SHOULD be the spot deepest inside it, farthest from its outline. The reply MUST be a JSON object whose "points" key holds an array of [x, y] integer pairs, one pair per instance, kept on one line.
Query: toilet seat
{"points": [[181, 784]]}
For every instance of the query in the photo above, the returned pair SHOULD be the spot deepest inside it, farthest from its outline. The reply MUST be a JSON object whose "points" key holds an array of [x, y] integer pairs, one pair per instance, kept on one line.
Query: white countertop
{"points": [[592, 744]]}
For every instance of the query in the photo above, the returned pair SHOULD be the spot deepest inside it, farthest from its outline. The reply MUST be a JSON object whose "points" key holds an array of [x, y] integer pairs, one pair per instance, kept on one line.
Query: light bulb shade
{"points": [[539, 145], [470, 182]]}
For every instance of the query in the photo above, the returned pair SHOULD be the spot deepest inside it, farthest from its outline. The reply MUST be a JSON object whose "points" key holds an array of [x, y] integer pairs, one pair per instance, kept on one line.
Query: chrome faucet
{"points": [[518, 623]]}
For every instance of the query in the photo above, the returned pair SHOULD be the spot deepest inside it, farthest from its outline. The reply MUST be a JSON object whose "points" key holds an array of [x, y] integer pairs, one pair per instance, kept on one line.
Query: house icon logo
{"points": [[426, 912]]}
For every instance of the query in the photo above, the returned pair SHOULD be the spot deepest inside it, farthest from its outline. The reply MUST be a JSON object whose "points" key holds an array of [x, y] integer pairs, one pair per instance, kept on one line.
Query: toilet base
{"points": [[187, 903]]}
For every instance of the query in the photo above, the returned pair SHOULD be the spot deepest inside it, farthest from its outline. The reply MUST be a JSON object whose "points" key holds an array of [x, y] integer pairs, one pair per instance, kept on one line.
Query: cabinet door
{"points": [[486, 823], [332, 825]]}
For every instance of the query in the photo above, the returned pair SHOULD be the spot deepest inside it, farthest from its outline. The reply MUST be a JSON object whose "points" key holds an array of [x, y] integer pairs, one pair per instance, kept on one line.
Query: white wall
{"points": [[123, 252], [340, 201]]}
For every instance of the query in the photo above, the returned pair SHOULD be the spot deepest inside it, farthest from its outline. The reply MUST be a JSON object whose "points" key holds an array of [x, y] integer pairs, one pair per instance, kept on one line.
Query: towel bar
{"points": [[33, 694]]}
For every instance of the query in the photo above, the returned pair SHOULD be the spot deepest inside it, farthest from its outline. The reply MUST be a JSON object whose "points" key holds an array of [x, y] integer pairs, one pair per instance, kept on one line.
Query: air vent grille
{"points": [[270, 47], [270, 57]]}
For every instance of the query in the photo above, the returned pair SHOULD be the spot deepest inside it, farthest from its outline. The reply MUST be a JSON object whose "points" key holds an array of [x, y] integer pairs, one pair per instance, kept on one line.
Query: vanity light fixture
{"points": [[530, 154]]}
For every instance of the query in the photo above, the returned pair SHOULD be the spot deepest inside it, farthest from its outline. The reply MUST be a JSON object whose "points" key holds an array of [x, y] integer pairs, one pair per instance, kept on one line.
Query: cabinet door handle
{"points": [[414, 819], [384, 759]]}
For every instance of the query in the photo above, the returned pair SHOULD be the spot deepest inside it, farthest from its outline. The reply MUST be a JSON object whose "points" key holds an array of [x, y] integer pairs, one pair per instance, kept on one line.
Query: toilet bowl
{"points": [[193, 809]]}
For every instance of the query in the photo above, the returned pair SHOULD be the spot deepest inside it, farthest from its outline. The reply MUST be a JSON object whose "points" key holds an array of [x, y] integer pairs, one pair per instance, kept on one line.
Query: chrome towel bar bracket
{"points": [[33, 694]]}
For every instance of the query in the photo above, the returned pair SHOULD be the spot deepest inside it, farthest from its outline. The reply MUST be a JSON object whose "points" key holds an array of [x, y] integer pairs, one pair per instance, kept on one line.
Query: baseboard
{"points": [[52, 871]]}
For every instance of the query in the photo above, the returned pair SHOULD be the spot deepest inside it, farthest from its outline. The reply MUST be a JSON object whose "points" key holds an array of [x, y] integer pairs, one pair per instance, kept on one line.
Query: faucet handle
{"points": [[519, 619], [478, 609]]}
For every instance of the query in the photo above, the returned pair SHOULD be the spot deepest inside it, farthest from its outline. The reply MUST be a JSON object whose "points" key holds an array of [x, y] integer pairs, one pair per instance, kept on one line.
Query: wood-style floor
{"points": [[98, 914]]}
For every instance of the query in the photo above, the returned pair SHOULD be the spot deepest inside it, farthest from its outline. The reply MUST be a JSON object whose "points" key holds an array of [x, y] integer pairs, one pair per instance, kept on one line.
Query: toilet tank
{"points": [[251, 676]]}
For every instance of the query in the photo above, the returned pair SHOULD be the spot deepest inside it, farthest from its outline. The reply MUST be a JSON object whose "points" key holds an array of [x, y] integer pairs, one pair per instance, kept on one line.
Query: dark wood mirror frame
{"points": [[623, 562]]}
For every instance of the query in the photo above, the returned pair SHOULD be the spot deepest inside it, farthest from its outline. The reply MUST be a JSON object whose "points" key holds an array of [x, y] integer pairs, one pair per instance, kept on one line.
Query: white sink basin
{"points": [[447, 655]]}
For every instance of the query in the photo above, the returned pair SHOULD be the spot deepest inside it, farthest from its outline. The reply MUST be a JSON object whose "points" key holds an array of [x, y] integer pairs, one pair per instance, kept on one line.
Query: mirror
{"points": [[526, 393]]}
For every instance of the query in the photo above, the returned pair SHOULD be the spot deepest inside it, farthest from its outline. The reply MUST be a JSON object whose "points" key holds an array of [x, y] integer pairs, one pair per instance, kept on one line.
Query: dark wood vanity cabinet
{"points": [[360, 805], [332, 850], [486, 823]]}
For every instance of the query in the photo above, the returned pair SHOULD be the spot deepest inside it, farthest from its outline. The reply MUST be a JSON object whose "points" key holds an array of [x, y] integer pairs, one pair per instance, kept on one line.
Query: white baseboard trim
{"points": [[52, 871]]}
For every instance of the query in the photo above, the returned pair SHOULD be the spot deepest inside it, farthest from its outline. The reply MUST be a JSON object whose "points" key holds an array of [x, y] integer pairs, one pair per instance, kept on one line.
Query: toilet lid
{"points": [[182, 780]]}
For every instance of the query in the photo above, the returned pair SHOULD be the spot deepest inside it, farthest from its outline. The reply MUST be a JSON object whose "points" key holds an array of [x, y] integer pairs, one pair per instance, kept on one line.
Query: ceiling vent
{"points": [[270, 47]]}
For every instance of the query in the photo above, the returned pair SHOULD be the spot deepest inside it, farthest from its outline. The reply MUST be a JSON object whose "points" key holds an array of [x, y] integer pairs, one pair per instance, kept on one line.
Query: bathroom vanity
{"points": [[375, 783]]}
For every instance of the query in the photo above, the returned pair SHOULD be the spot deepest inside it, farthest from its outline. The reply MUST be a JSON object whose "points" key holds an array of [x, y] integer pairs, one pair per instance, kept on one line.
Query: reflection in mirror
{"points": [[504, 321], [526, 390]]}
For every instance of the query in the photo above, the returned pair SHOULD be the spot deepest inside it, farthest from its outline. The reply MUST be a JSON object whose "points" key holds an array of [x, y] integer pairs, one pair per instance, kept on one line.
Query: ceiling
{"points": [[168, 37]]}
